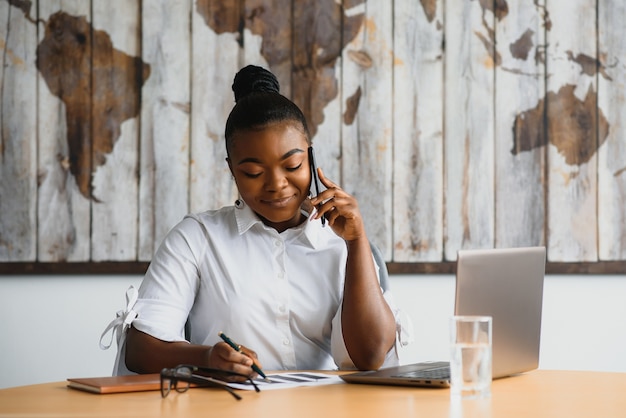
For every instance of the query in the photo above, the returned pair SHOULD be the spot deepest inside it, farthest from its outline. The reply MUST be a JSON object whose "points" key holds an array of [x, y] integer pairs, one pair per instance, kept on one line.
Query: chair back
{"points": [[383, 273]]}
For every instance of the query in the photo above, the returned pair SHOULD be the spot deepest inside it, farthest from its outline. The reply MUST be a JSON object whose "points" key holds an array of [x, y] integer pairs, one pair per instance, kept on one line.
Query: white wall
{"points": [[51, 325]]}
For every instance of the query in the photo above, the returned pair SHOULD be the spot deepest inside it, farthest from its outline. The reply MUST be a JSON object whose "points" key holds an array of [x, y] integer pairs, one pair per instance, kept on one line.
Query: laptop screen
{"points": [[506, 284]]}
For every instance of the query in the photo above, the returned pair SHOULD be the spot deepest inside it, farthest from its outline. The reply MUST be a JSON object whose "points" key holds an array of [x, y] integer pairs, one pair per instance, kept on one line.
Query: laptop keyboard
{"points": [[438, 373]]}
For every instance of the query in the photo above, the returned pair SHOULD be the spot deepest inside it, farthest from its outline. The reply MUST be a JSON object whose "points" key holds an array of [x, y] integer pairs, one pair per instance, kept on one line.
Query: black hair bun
{"points": [[254, 79]]}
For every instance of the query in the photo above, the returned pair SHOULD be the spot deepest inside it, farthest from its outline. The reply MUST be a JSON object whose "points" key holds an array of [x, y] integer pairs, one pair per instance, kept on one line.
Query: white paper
{"points": [[290, 380]]}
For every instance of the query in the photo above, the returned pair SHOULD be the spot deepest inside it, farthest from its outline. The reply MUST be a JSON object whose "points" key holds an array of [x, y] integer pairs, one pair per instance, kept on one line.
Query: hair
{"points": [[258, 104]]}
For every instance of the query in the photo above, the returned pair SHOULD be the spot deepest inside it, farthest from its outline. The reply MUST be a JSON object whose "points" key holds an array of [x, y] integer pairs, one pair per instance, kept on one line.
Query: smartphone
{"points": [[316, 187]]}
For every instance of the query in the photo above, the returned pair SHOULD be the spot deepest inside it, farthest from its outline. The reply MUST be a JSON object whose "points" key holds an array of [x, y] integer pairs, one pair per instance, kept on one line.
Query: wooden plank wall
{"points": [[456, 123]]}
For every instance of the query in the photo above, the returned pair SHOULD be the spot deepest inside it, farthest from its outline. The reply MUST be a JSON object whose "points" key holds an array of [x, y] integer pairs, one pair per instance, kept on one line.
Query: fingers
{"points": [[335, 206], [251, 355], [326, 195], [334, 202], [224, 357], [326, 181], [340, 209]]}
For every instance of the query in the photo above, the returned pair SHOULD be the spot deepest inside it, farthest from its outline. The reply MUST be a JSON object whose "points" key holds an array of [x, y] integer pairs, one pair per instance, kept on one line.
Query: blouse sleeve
{"points": [[161, 306], [169, 288]]}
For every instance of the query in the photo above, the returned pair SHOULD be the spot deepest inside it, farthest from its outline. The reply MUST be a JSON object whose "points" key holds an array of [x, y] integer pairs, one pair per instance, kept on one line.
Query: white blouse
{"points": [[277, 294]]}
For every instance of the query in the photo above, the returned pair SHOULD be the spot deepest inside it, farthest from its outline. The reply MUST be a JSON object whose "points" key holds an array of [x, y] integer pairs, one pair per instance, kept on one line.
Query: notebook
{"points": [[506, 284], [116, 384]]}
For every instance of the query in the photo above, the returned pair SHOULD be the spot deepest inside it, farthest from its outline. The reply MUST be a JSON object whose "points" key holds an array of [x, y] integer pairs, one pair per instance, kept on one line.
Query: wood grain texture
{"points": [[18, 150], [616, 268], [316, 86], [612, 155], [367, 139], [572, 133], [215, 59], [63, 213], [520, 85], [114, 234], [418, 133], [165, 110], [469, 128], [456, 124], [269, 38]]}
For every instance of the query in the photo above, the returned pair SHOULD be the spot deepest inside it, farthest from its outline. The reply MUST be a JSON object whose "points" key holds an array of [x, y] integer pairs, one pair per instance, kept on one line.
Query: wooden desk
{"points": [[541, 393]]}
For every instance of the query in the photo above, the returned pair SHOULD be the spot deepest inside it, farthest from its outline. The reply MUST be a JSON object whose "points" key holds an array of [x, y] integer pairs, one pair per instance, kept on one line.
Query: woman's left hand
{"points": [[340, 209]]}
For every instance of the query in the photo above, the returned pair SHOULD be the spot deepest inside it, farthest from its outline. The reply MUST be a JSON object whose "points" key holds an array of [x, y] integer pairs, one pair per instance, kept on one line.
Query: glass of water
{"points": [[470, 356]]}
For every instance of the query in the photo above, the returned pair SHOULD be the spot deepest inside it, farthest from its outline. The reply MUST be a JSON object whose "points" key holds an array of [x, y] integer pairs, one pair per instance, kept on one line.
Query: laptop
{"points": [[506, 284]]}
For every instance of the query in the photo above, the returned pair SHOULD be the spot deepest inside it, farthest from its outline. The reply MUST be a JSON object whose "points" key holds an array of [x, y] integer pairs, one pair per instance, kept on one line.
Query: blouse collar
{"points": [[308, 230]]}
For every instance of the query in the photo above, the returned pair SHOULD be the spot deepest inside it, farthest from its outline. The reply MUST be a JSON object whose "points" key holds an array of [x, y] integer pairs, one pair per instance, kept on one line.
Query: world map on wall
{"points": [[78, 64], [101, 85]]}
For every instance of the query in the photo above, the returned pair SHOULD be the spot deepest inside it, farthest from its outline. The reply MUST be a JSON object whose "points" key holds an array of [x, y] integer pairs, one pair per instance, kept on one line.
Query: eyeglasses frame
{"points": [[173, 376]]}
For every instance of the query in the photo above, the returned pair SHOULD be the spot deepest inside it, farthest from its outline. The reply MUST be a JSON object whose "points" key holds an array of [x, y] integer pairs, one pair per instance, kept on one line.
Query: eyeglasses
{"points": [[183, 375]]}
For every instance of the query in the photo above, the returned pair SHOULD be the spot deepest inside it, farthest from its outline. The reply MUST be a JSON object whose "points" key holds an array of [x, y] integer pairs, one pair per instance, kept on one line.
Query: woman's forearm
{"points": [[367, 322], [146, 354]]}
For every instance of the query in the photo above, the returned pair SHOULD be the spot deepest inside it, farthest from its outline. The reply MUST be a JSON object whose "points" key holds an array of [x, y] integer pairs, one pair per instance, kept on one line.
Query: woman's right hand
{"points": [[147, 354], [224, 357]]}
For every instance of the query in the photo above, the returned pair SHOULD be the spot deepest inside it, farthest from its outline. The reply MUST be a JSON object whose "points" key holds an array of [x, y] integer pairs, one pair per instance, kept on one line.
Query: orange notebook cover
{"points": [[117, 384]]}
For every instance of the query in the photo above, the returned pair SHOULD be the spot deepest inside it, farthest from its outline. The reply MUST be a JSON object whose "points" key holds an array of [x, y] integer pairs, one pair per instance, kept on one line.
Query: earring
{"points": [[238, 203]]}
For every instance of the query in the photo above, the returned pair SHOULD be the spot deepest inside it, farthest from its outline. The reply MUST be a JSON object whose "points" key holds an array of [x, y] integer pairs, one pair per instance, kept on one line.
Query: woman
{"points": [[296, 294]]}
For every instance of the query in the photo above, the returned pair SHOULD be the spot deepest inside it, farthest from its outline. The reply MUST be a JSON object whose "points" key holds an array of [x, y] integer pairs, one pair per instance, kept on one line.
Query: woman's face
{"points": [[271, 169]]}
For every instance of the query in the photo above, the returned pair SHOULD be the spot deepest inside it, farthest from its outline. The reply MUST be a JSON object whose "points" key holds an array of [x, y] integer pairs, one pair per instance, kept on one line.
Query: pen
{"points": [[238, 348]]}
